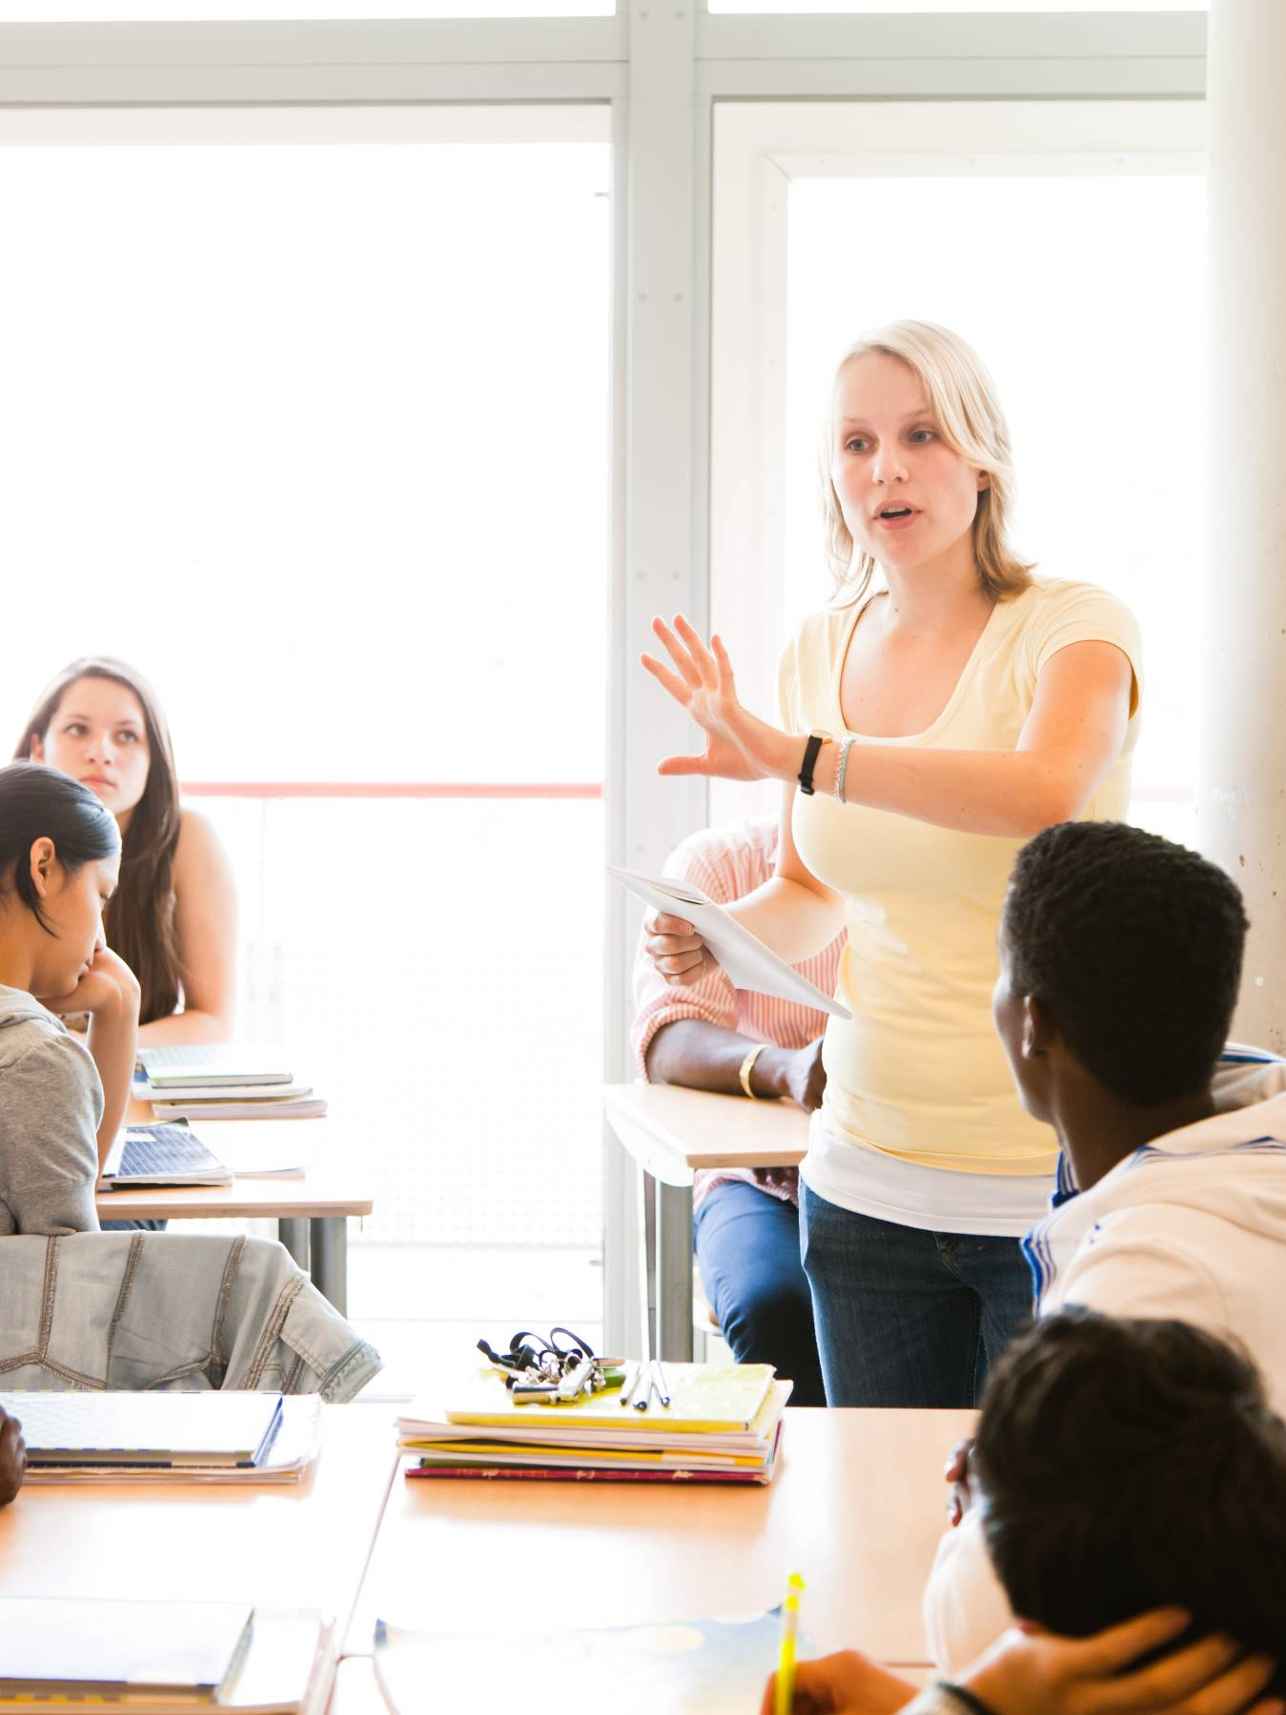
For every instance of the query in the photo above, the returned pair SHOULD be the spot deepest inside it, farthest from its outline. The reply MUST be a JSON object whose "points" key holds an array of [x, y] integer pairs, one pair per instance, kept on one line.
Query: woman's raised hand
{"points": [[739, 746]]}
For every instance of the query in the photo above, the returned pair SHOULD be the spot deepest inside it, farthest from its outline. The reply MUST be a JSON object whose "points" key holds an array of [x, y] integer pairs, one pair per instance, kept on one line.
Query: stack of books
{"points": [[218, 1081], [722, 1425], [81, 1657]]}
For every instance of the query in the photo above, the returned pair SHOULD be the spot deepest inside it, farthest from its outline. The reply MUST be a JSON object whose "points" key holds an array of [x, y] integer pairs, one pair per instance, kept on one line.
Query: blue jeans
{"points": [[747, 1245], [906, 1317]]}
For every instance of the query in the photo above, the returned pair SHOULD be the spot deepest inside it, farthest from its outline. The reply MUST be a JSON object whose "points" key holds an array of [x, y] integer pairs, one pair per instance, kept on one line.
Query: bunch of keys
{"points": [[548, 1372]]}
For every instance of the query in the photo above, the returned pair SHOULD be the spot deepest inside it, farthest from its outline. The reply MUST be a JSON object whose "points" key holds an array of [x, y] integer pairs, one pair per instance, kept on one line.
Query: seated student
{"points": [[712, 1036], [1120, 961], [1120, 1465], [61, 1102], [173, 918], [13, 1457]]}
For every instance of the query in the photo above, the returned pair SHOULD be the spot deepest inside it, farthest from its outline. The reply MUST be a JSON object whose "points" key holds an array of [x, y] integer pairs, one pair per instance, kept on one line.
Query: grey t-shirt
{"points": [[51, 1103]]}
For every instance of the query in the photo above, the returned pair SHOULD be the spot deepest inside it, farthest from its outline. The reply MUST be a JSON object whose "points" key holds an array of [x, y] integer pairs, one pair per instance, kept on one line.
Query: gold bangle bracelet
{"points": [[747, 1066]]}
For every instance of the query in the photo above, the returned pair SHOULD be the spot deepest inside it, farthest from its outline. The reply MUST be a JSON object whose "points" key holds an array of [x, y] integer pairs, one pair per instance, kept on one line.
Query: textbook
{"points": [[293, 1451], [168, 1658], [169, 1431], [690, 1667], [212, 1064], [218, 1107], [723, 1424]]}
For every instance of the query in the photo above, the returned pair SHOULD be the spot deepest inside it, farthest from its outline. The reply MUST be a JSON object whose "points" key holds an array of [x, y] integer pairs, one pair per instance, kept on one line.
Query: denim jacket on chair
{"points": [[170, 1310]]}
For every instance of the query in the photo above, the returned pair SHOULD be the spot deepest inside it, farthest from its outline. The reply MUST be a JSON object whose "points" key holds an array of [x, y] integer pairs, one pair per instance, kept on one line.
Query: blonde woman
{"points": [[943, 709]]}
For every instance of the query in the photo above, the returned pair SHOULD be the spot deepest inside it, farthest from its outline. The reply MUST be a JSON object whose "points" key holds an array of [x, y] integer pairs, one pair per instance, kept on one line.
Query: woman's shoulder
{"points": [[198, 844], [24, 1020], [1045, 597], [27, 1027]]}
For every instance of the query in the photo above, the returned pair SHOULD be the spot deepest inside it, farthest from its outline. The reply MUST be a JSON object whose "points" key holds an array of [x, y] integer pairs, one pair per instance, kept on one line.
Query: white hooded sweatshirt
{"points": [[1191, 1226]]}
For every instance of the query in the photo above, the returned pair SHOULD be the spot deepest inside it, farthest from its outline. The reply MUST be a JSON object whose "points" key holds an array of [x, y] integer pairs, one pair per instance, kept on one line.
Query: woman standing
{"points": [[943, 713], [173, 918]]}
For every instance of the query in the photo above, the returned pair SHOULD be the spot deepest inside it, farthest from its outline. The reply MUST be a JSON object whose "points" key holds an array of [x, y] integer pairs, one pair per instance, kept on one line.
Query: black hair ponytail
{"points": [[37, 802]]}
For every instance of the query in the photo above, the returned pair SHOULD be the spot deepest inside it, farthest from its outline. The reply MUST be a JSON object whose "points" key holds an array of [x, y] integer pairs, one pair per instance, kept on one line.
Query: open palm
{"points": [[739, 746]]}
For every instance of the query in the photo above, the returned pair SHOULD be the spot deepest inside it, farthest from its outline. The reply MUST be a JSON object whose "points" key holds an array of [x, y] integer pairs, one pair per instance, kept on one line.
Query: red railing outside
{"points": [[391, 789]]}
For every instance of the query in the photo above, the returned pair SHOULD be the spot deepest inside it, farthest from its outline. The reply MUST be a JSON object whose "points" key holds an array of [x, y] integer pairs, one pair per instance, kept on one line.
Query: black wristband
{"points": [[806, 767], [965, 1698]]}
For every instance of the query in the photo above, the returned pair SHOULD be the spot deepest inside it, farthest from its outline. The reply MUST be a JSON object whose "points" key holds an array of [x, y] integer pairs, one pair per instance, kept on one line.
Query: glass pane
{"points": [[460, 1053], [1084, 295], [318, 436], [286, 11], [905, 8]]}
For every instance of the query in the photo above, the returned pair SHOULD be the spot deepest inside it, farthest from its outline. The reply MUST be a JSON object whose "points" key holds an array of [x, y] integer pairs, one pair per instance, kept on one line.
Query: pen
{"points": [[784, 1695], [644, 1382], [628, 1385], [662, 1386]]}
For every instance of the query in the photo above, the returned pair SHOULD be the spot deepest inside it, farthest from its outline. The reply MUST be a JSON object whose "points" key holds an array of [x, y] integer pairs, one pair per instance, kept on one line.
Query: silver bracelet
{"points": [[841, 772]]}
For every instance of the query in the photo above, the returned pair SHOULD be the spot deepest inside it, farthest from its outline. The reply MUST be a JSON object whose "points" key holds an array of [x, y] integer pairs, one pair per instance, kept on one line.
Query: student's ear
{"points": [[984, 481], [1038, 1028], [42, 860], [36, 752]]}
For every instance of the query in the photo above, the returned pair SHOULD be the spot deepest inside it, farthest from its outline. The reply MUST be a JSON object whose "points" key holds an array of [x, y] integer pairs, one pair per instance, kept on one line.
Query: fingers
{"points": [[1209, 1678], [1117, 1646], [723, 666], [1233, 1690], [665, 923], [692, 660], [684, 765], [703, 662], [957, 1469], [678, 688], [677, 957]]}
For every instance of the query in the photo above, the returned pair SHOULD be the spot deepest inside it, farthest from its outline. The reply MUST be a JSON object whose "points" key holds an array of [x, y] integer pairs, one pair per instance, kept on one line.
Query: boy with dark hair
{"points": [[1122, 1468], [1120, 960], [1126, 1464]]}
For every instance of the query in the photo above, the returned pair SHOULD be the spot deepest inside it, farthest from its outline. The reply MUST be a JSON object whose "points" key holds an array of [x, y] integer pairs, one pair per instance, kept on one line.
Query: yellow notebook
{"points": [[705, 1399]]}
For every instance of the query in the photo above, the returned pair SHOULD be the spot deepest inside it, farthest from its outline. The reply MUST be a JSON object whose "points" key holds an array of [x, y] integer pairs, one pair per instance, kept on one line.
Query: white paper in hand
{"points": [[748, 963]]}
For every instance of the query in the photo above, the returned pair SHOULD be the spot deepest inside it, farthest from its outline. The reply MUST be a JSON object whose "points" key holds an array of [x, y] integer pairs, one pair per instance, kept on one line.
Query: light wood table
{"points": [[671, 1132], [300, 1544], [311, 1209], [857, 1507]]}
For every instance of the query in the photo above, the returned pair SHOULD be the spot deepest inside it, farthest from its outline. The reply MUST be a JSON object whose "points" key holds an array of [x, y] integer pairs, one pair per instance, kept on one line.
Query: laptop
{"points": [[155, 1431], [170, 1154]]}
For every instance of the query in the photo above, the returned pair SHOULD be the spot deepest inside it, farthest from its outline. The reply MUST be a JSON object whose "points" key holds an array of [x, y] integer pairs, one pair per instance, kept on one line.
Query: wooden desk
{"points": [[670, 1132], [857, 1507], [302, 1544], [311, 1210]]}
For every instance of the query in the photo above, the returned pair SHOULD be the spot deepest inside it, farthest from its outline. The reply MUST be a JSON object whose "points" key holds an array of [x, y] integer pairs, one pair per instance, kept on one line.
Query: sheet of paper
{"points": [[747, 961]]}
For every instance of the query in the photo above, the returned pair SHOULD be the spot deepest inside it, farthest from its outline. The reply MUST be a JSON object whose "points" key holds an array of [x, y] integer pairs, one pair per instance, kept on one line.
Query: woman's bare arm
{"points": [[1071, 737], [205, 926]]}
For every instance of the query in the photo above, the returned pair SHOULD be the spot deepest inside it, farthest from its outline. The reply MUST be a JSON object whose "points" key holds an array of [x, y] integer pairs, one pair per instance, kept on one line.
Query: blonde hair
{"points": [[962, 398]]}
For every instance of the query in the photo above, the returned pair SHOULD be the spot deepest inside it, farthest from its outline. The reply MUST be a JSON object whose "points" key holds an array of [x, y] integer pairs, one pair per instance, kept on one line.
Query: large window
{"points": [[1068, 247], [307, 415]]}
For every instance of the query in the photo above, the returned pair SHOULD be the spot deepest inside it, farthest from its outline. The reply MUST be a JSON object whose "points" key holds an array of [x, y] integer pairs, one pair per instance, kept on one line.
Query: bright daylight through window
{"points": [[316, 434]]}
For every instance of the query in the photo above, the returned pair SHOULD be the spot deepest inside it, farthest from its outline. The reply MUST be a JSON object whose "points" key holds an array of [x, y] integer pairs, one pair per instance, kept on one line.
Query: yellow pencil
{"points": [[785, 1694]]}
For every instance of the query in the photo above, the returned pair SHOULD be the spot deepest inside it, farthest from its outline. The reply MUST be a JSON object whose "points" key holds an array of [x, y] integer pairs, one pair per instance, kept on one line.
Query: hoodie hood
{"points": [[1231, 1167]]}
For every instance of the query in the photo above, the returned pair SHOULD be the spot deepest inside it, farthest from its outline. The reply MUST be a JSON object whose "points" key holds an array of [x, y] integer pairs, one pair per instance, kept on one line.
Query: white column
{"points": [[1242, 791]]}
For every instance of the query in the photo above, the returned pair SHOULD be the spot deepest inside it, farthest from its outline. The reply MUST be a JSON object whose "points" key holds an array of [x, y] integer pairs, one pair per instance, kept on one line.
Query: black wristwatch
{"points": [[806, 767]]}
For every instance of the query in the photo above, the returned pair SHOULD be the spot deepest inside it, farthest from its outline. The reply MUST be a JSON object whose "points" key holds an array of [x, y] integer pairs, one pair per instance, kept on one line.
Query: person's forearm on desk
{"points": [[702, 1056]]}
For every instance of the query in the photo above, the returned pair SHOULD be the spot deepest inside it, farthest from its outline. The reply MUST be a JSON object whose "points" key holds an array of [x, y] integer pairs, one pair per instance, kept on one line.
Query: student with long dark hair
{"points": [[62, 1100], [173, 918]]}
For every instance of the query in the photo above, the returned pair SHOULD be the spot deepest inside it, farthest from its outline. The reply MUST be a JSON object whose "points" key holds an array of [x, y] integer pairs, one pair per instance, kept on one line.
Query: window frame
{"points": [[662, 70]]}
